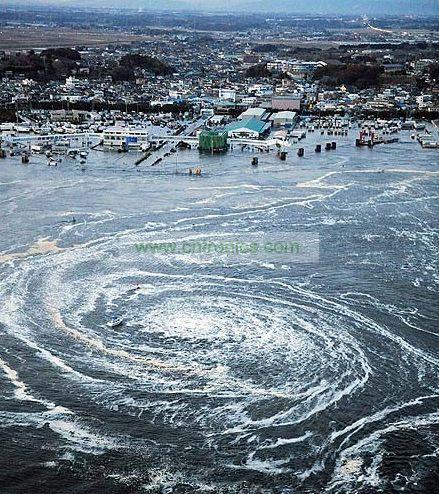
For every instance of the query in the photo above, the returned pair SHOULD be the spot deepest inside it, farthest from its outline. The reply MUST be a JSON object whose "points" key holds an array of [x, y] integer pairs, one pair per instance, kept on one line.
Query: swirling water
{"points": [[229, 375]]}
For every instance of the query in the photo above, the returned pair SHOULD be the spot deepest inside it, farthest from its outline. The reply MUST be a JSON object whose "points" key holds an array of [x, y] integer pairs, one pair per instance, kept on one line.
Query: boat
{"points": [[371, 139], [429, 144], [37, 148], [115, 321]]}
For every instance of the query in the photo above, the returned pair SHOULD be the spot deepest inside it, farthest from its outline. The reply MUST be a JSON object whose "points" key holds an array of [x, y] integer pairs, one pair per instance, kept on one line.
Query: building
{"points": [[72, 83], [73, 116], [258, 113], [261, 90], [248, 128], [286, 102], [394, 67], [284, 119], [123, 137], [303, 68], [295, 67], [227, 95], [212, 141], [251, 58]]}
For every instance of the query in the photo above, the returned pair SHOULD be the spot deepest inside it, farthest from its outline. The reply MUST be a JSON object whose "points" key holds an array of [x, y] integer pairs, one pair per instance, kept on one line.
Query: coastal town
{"points": [[259, 84], [218, 246]]}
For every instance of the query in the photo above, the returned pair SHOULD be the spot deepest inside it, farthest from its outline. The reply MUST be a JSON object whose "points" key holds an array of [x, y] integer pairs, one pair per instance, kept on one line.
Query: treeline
{"points": [[57, 63], [403, 45], [128, 64], [258, 71], [358, 75], [434, 71], [63, 53], [266, 48], [49, 64], [367, 75], [7, 115], [8, 112]]}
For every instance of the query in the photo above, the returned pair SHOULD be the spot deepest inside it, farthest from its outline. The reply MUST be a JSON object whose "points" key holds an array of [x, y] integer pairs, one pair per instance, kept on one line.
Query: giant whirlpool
{"points": [[225, 377]]}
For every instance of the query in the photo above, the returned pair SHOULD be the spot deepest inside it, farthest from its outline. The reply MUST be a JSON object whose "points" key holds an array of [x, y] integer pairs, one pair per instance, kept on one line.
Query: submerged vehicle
{"points": [[52, 162]]}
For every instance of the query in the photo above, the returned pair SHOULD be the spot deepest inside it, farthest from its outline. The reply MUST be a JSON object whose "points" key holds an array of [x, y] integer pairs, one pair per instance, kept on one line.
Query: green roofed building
{"points": [[212, 141]]}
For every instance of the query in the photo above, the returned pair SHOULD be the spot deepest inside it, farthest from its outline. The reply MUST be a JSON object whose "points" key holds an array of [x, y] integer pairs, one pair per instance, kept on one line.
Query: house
{"points": [[207, 112], [248, 128], [227, 95], [261, 90], [216, 120]]}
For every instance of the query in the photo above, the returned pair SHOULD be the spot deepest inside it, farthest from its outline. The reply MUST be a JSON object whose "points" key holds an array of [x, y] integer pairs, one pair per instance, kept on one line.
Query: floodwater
{"points": [[230, 374]]}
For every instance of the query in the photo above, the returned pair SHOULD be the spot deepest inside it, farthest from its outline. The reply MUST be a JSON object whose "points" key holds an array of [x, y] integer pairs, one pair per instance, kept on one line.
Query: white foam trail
{"points": [[370, 444], [62, 422], [21, 391], [378, 416], [271, 466], [286, 441]]}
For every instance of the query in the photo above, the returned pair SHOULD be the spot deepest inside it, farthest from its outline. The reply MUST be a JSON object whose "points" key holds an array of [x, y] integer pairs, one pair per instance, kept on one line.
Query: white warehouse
{"points": [[123, 137], [284, 119]]}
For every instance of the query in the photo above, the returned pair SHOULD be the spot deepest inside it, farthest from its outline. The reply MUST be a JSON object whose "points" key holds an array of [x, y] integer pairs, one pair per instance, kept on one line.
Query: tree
{"points": [[151, 64], [258, 71], [66, 53], [359, 75], [121, 73], [434, 71], [265, 48]]}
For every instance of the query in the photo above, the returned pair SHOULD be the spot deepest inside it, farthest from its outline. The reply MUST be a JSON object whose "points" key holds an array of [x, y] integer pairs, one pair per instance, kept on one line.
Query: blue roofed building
{"points": [[248, 128]]}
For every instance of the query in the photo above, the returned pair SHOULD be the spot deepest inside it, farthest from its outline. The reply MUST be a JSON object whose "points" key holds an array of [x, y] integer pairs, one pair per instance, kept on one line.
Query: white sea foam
{"points": [[242, 359]]}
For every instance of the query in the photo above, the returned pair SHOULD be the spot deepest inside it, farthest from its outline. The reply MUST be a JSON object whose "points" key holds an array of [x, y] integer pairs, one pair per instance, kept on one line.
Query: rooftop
{"points": [[252, 124]]}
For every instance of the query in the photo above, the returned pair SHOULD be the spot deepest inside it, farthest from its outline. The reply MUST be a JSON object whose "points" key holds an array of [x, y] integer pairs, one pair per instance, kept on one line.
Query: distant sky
{"points": [[311, 6]]}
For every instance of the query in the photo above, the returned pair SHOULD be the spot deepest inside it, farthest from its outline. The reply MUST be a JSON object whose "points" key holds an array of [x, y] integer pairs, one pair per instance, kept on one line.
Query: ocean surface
{"points": [[230, 374]]}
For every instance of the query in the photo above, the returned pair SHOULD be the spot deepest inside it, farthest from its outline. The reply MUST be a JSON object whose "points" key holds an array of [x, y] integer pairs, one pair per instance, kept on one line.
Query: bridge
{"points": [[175, 139]]}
